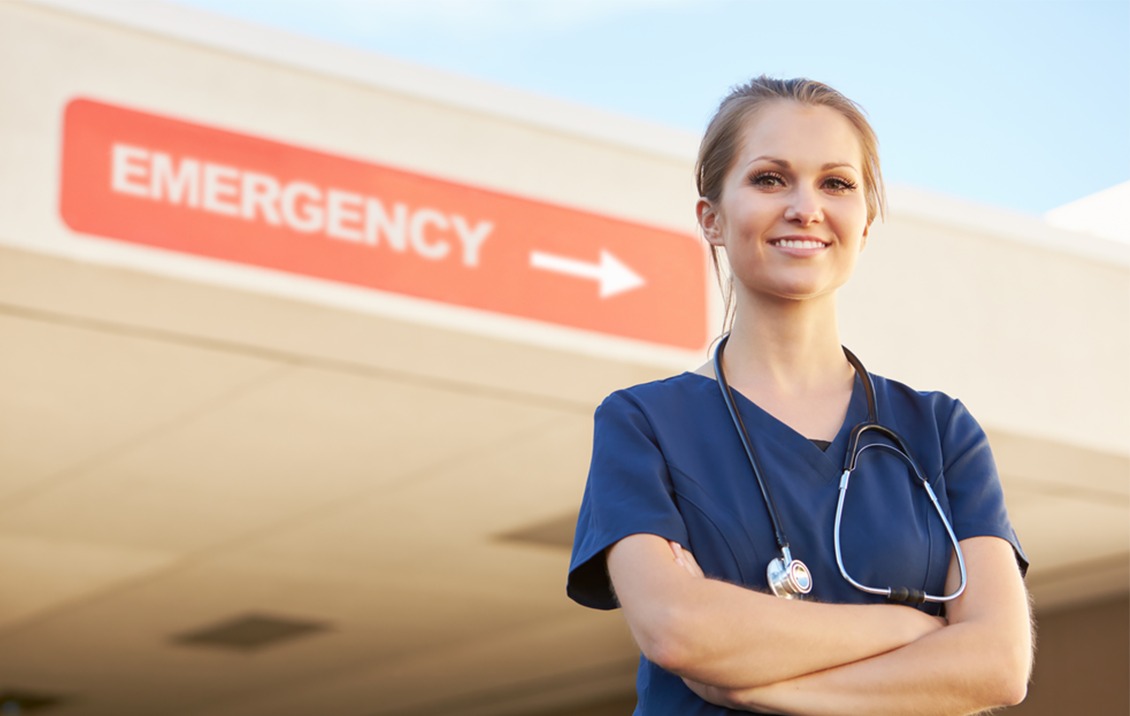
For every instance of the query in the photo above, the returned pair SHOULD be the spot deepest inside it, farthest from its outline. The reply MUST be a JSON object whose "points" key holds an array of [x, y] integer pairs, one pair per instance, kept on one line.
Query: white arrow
{"points": [[614, 277]]}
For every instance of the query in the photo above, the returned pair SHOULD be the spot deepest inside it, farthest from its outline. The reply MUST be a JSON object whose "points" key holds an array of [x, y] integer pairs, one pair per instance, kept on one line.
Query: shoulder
{"points": [[904, 402], [666, 409], [931, 417], [677, 391]]}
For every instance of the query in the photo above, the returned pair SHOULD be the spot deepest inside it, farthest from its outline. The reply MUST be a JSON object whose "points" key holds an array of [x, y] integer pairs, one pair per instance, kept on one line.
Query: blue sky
{"points": [[1021, 104]]}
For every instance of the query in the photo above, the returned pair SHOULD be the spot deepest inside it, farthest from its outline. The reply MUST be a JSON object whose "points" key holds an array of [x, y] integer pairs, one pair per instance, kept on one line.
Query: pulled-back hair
{"points": [[722, 140]]}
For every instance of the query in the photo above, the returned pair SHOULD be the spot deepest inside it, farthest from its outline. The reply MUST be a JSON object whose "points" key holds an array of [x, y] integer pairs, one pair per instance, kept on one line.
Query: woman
{"points": [[789, 184]]}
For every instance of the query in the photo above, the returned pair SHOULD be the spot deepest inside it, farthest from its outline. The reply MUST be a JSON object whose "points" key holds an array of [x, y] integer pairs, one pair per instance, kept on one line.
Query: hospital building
{"points": [[299, 352]]}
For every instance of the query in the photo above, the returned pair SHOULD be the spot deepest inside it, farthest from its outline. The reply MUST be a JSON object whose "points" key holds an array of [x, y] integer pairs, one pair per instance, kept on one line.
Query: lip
{"points": [[799, 244]]}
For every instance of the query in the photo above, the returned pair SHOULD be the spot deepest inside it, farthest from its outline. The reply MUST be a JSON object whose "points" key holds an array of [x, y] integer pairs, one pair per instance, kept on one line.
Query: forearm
{"points": [[726, 635], [981, 660], [730, 635], [947, 673]]}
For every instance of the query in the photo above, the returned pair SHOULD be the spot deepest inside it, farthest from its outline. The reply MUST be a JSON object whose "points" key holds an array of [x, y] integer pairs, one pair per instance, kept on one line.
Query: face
{"points": [[792, 215]]}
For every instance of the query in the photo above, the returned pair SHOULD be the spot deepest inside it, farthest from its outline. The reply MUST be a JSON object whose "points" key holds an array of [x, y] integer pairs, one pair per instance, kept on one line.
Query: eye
{"points": [[839, 185], [767, 179]]}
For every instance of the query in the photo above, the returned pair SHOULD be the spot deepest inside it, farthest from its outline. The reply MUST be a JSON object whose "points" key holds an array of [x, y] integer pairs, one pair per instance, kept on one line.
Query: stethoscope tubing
{"points": [[854, 450], [900, 594], [743, 434]]}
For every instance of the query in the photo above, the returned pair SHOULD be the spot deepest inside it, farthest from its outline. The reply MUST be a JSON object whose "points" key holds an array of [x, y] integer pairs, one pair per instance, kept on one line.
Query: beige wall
{"points": [[1083, 662]]}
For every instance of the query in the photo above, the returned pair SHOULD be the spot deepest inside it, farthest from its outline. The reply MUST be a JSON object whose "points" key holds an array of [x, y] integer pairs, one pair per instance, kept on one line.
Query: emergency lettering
{"points": [[336, 213]]}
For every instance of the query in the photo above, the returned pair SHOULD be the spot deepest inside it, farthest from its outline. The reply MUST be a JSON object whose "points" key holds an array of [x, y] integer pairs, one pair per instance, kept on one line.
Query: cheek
{"points": [[852, 220], [754, 218]]}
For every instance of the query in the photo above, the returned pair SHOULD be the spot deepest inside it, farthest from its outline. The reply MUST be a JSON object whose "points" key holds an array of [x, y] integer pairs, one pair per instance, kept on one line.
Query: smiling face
{"points": [[792, 214]]}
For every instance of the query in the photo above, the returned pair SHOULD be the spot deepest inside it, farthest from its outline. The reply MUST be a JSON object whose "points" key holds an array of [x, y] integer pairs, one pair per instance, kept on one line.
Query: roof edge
{"points": [[1006, 224], [367, 68]]}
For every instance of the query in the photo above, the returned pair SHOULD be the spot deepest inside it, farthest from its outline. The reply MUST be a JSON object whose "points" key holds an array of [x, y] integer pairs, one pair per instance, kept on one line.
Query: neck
{"points": [[792, 345]]}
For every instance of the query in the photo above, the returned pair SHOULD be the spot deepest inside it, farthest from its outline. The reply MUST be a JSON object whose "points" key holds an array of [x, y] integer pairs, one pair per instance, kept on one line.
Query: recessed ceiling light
{"points": [[557, 532], [14, 702], [250, 632]]}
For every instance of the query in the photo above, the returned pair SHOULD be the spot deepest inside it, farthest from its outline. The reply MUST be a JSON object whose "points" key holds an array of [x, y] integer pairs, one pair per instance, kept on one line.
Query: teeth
{"points": [[799, 244]]}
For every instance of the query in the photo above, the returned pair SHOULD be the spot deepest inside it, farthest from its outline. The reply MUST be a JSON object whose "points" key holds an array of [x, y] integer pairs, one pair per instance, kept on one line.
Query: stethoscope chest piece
{"points": [[788, 578]]}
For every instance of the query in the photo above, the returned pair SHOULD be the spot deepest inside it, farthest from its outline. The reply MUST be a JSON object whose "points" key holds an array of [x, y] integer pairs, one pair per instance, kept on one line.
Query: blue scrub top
{"points": [[667, 460]]}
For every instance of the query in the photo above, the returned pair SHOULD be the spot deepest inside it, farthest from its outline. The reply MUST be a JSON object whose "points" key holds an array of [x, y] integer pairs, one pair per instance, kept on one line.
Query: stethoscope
{"points": [[790, 578]]}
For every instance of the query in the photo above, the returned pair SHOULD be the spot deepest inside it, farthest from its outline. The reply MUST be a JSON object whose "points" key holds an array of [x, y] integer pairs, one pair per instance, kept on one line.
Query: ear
{"points": [[863, 240], [709, 222]]}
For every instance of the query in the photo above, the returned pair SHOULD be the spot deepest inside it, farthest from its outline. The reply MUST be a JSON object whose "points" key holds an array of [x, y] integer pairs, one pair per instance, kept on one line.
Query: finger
{"points": [[677, 550], [685, 559], [691, 563]]}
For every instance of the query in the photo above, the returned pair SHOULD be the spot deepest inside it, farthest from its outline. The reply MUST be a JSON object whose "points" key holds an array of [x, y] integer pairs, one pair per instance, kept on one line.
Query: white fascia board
{"points": [[369, 69], [1096, 213], [965, 215]]}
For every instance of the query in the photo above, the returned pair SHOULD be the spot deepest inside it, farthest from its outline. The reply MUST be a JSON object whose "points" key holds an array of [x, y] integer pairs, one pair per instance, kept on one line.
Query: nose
{"points": [[804, 208]]}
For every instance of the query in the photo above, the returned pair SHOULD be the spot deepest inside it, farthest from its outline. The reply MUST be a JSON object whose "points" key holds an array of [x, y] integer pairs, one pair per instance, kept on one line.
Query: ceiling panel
{"points": [[46, 574], [308, 439], [555, 660], [371, 623], [71, 397], [446, 525]]}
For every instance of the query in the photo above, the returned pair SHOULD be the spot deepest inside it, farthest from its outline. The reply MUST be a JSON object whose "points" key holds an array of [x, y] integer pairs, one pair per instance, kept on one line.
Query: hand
{"points": [[685, 559]]}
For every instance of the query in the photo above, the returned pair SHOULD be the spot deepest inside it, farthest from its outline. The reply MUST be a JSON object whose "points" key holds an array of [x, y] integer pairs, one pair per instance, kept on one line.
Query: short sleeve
{"points": [[628, 492], [973, 485]]}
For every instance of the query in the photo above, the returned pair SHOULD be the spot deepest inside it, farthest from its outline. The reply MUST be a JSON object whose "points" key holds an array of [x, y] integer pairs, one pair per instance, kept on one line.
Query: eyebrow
{"points": [[785, 165]]}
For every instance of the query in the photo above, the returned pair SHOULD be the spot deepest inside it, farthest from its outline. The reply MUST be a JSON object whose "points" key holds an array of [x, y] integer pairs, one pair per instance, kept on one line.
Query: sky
{"points": [[1018, 104]]}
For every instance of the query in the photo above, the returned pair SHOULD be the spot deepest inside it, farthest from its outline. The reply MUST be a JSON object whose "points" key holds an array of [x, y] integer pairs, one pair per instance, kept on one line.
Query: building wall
{"points": [[1082, 662]]}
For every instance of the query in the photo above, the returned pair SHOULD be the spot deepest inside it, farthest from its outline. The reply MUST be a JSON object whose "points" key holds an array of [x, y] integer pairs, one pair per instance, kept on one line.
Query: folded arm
{"points": [[729, 636], [981, 660]]}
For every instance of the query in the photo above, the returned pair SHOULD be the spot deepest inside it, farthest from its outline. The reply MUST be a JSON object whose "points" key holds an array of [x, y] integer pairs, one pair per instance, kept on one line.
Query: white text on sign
{"points": [[298, 205]]}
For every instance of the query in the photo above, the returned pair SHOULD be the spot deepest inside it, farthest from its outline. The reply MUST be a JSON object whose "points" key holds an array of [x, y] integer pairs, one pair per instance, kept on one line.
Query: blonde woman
{"points": [[713, 493]]}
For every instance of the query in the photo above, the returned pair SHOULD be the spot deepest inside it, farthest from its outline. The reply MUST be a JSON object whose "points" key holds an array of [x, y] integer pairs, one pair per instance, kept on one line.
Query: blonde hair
{"points": [[722, 141]]}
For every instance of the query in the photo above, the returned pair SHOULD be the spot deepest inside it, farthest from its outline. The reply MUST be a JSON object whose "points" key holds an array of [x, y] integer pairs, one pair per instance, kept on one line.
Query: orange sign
{"points": [[165, 183]]}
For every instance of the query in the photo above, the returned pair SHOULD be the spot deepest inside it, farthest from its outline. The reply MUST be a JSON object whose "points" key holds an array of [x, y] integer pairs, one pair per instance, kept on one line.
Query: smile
{"points": [[798, 243]]}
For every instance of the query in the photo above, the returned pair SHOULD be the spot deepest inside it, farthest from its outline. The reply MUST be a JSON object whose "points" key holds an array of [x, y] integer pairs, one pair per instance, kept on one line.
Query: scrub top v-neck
{"points": [[667, 461]]}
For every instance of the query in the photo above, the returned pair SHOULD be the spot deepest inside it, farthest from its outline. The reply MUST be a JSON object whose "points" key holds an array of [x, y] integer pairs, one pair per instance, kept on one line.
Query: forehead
{"points": [[800, 134]]}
